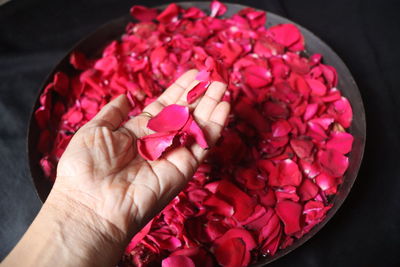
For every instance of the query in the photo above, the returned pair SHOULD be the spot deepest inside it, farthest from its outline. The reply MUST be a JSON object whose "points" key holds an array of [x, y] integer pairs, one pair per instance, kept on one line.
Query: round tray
{"points": [[93, 44]]}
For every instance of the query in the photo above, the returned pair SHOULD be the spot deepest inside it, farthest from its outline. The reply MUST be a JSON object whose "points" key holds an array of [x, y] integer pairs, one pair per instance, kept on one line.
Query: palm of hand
{"points": [[102, 170]]}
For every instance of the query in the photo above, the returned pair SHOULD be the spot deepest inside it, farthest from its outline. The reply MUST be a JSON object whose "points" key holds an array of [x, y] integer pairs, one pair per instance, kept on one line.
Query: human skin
{"points": [[105, 192]]}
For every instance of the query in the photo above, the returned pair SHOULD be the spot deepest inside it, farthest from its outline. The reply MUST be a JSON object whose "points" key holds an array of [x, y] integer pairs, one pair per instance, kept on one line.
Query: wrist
{"points": [[83, 234]]}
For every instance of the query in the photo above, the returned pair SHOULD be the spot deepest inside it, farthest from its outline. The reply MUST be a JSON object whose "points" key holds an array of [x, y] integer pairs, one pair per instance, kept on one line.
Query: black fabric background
{"points": [[35, 34]]}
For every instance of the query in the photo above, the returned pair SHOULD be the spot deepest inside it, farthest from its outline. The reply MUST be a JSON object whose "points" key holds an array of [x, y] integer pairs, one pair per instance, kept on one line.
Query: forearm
{"points": [[59, 237]]}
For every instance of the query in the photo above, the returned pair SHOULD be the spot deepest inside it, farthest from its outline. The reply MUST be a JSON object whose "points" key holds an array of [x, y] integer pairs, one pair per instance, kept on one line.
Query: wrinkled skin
{"points": [[102, 171]]}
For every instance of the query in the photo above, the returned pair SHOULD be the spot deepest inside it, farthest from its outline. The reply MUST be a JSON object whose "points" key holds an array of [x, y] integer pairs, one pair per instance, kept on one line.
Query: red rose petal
{"points": [[257, 76], [194, 130], [151, 146], [247, 112], [340, 141], [280, 128], [287, 35], [302, 147], [231, 253], [317, 87], [217, 8], [242, 203], [343, 112], [333, 162], [170, 14], [286, 173], [219, 206], [79, 61], [61, 83], [315, 211], [325, 181], [197, 91], [270, 235], [171, 118], [289, 212], [311, 110], [143, 13], [177, 261], [307, 190], [234, 239], [106, 65], [199, 256]]}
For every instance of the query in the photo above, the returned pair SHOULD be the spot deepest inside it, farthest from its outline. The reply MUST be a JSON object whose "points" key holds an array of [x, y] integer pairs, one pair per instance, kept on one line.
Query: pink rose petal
{"points": [[287, 35], [151, 146], [197, 91], [257, 76], [333, 162], [217, 8], [286, 173], [171, 118], [177, 261], [340, 141], [143, 13], [170, 14]]}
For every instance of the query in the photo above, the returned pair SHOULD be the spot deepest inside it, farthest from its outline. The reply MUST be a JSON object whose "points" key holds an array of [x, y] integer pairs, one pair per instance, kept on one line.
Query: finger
{"points": [[173, 93], [212, 129], [112, 114], [209, 101], [180, 160]]}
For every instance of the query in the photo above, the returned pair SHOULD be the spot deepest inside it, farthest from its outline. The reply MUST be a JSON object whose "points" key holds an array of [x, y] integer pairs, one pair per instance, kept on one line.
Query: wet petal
{"points": [[289, 212]]}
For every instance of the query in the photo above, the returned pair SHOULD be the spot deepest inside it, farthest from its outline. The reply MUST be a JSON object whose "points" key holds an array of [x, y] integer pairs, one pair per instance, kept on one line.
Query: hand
{"points": [[102, 172]]}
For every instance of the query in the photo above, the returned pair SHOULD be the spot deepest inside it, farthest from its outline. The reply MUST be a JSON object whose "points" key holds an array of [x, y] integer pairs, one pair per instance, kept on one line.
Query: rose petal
{"points": [[242, 203], [217, 8], [280, 128], [302, 147], [287, 35], [243, 240], [194, 130], [197, 91], [286, 173], [231, 253], [150, 147], [61, 83], [142, 13], [307, 190], [333, 162], [170, 14], [257, 76], [317, 87], [340, 141], [177, 261], [171, 118], [289, 212]]}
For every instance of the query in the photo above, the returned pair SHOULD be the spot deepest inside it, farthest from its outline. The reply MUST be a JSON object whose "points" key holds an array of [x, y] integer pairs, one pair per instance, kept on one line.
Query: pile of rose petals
{"points": [[280, 159]]}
